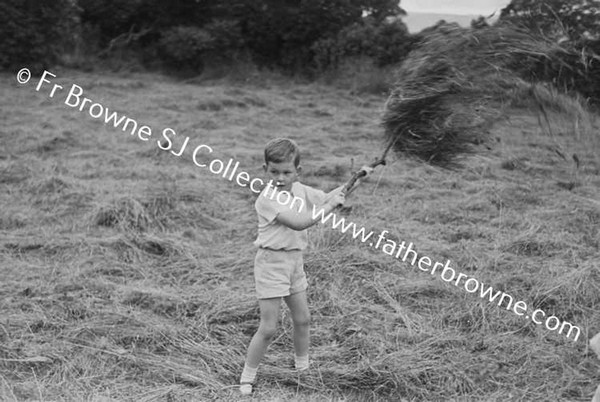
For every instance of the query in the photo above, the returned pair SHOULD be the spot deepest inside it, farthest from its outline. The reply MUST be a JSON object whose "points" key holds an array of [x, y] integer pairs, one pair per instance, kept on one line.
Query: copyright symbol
{"points": [[23, 76]]}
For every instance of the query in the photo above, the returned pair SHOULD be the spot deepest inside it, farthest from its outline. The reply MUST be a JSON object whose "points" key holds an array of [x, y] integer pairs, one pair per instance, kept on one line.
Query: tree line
{"points": [[298, 36], [295, 35]]}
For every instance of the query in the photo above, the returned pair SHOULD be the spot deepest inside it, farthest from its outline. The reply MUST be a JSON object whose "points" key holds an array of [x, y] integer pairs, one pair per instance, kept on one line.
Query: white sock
{"points": [[246, 389], [302, 363], [249, 374]]}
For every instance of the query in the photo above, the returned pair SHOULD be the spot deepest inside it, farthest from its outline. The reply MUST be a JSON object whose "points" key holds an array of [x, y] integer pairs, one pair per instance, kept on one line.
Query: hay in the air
{"points": [[458, 81]]}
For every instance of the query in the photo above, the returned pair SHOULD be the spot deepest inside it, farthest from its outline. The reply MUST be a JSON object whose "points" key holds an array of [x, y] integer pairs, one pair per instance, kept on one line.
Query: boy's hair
{"points": [[282, 150]]}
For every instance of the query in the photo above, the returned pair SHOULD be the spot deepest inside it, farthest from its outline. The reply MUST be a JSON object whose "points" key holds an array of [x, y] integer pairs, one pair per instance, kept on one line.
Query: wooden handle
{"points": [[350, 184]]}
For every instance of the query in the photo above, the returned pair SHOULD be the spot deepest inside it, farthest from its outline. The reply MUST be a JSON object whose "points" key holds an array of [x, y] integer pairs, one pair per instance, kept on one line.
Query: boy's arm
{"points": [[305, 219]]}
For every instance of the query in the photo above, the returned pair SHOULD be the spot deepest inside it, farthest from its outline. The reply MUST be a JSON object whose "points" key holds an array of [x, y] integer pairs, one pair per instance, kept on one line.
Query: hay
{"points": [[158, 209], [458, 82], [126, 212]]}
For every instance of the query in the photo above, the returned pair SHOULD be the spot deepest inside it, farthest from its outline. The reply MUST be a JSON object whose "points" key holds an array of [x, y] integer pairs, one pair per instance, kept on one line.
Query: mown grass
{"points": [[127, 271]]}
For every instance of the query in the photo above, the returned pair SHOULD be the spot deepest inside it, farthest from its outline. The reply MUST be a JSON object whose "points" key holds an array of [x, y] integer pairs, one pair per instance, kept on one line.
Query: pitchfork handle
{"points": [[351, 184]]}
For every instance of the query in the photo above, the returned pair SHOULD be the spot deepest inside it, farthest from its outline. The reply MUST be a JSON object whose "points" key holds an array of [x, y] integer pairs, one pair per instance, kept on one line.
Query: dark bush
{"points": [[34, 34], [227, 39], [386, 42], [284, 33], [392, 43], [185, 47], [575, 25], [560, 19], [180, 33], [110, 18]]}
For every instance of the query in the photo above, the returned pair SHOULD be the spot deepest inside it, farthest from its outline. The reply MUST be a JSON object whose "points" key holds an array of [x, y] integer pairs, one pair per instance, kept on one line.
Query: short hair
{"points": [[282, 150]]}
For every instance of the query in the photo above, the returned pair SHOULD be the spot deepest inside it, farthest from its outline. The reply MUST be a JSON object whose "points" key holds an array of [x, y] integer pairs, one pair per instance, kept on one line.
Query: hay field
{"points": [[126, 272]]}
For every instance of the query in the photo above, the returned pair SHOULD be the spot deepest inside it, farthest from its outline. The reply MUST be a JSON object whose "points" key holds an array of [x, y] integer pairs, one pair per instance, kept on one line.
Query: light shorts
{"points": [[279, 273]]}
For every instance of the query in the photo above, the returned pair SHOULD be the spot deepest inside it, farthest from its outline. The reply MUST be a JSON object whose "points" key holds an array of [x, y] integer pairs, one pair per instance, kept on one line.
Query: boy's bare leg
{"points": [[269, 313], [301, 318]]}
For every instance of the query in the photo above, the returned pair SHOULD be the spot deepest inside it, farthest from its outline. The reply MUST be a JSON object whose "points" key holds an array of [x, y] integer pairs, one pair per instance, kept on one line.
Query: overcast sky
{"points": [[477, 7]]}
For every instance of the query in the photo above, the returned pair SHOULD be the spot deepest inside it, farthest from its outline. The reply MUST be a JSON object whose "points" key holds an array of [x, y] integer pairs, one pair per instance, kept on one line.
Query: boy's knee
{"points": [[267, 331], [302, 321]]}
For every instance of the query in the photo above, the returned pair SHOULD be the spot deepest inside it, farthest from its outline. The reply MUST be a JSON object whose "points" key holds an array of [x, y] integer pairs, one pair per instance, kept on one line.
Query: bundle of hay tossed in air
{"points": [[457, 82]]}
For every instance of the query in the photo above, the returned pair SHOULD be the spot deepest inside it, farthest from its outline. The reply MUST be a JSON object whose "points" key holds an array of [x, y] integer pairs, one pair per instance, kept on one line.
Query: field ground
{"points": [[127, 271]]}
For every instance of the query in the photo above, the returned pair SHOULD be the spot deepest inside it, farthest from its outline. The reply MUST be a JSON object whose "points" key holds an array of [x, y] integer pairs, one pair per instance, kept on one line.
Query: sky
{"points": [[477, 7]]}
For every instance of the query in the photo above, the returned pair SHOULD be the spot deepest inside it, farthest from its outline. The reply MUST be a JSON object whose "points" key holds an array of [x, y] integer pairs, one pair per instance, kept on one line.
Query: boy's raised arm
{"points": [[305, 219]]}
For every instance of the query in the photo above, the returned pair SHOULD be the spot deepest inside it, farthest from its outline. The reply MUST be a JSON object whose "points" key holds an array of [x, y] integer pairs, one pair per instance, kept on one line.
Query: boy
{"points": [[278, 266]]}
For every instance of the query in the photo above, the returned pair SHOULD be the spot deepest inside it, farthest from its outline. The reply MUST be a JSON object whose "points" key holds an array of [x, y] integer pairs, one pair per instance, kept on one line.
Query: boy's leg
{"points": [[269, 312], [301, 318]]}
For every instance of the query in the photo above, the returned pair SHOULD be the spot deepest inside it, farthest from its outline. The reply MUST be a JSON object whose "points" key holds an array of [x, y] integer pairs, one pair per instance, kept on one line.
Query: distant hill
{"points": [[417, 21]]}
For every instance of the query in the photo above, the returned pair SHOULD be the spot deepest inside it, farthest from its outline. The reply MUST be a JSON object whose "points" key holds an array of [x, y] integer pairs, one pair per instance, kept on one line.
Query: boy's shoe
{"points": [[246, 388]]}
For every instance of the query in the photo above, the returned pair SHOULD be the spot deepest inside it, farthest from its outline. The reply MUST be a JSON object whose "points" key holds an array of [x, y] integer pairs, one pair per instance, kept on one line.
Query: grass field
{"points": [[126, 271]]}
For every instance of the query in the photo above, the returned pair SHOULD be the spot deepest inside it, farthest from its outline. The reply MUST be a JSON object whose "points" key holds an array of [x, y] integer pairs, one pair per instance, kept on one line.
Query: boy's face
{"points": [[283, 174]]}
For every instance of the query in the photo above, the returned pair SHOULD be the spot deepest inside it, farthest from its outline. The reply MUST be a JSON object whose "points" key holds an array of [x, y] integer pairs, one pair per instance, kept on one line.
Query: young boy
{"points": [[278, 266]]}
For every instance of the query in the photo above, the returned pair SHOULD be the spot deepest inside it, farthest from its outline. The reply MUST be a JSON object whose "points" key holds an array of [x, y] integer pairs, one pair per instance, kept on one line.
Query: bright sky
{"points": [[477, 7]]}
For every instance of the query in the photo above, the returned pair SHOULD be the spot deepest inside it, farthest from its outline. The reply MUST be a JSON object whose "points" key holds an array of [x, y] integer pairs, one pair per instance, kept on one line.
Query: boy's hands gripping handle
{"points": [[335, 198], [362, 172]]}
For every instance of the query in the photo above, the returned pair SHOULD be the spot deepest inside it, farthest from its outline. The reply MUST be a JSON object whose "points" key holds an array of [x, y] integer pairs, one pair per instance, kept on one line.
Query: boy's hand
{"points": [[358, 177], [335, 197], [367, 169]]}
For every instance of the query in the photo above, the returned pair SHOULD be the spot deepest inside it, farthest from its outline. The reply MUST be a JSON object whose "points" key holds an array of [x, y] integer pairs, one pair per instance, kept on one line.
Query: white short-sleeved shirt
{"points": [[270, 202]]}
